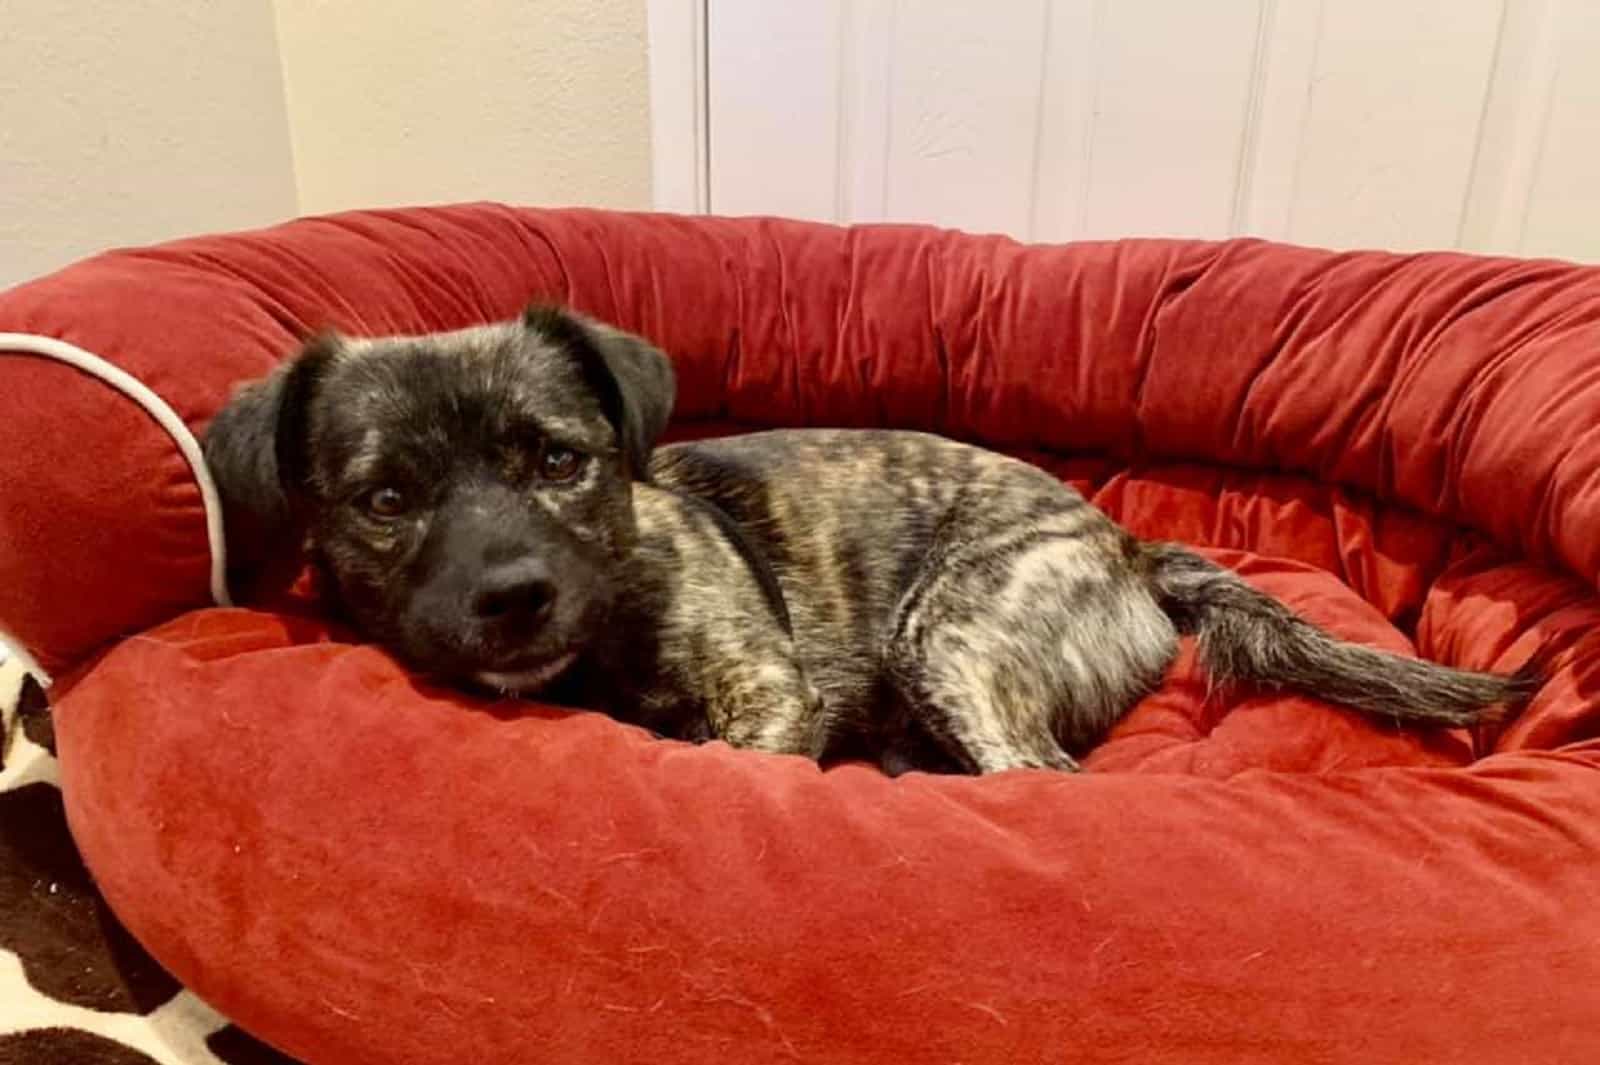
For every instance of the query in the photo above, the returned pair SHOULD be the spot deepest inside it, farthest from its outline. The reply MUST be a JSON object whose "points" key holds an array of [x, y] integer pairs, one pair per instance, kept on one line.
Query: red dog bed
{"points": [[361, 868]]}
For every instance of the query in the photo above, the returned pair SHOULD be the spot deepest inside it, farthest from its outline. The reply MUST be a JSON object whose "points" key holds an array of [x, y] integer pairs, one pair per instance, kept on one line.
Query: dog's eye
{"points": [[386, 503], [558, 463]]}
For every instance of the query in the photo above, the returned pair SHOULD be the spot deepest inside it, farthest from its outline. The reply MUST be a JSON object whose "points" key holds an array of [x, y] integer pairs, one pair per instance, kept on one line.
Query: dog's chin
{"points": [[528, 680]]}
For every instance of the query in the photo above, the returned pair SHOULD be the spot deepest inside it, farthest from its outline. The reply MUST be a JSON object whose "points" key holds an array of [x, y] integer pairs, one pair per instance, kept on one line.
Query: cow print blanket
{"points": [[75, 988]]}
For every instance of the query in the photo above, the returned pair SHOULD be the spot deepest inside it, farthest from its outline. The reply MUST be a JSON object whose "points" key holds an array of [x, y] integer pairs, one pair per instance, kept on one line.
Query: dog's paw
{"points": [[698, 731]]}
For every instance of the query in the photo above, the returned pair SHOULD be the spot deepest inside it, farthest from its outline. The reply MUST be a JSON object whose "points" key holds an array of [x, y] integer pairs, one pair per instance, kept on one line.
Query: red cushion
{"points": [[364, 869]]}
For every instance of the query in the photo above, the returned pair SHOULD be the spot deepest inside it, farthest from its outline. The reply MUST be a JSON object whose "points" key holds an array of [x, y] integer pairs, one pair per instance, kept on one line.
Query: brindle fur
{"points": [[830, 593]]}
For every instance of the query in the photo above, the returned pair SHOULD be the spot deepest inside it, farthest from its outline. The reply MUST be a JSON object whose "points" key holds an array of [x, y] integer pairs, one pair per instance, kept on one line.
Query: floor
{"points": [[74, 986]]}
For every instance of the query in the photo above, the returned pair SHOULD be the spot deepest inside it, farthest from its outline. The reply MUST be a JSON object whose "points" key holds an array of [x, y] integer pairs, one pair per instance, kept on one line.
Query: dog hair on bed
{"points": [[489, 504]]}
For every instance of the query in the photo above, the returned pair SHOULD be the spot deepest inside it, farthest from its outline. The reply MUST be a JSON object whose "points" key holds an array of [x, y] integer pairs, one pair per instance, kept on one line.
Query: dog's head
{"points": [[469, 494]]}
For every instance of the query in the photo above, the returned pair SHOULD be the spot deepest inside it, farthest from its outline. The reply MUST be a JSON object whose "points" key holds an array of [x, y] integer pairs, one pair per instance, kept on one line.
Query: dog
{"points": [[490, 505]]}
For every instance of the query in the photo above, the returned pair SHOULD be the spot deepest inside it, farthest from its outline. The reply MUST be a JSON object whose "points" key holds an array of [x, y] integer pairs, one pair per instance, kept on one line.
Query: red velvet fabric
{"points": [[364, 869]]}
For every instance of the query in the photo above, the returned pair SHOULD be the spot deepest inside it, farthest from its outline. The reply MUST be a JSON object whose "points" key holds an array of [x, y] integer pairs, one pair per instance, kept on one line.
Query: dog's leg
{"points": [[971, 673], [1012, 652], [764, 702], [980, 711], [719, 647]]}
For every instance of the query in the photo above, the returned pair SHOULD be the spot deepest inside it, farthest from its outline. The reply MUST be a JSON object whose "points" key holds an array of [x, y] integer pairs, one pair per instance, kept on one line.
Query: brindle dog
{"points": [[489, 504]]}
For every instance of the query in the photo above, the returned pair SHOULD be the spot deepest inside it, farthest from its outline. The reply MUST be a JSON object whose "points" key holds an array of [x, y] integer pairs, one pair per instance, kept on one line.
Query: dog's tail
{"points": [[1246, 636]]}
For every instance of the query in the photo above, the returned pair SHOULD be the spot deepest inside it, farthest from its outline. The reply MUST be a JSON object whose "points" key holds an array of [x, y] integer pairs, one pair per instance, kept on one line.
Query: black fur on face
{"points": [[468, 494]]}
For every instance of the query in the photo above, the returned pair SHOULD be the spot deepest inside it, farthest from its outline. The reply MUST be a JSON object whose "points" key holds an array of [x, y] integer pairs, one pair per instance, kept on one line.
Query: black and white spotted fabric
{"points": [[75, 988]]}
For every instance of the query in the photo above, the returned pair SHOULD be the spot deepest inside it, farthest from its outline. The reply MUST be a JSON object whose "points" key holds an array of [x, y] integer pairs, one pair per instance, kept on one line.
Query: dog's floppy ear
{"points": [[257, 449], [631, 377]]}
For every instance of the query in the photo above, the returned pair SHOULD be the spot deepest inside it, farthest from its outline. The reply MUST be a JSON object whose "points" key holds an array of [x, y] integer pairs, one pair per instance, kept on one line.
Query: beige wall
{"points": [[131, 123], [416, 101]]}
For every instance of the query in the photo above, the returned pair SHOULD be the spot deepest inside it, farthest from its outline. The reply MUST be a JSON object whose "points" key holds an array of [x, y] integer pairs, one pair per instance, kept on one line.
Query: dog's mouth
{"points": [[522, 679]]}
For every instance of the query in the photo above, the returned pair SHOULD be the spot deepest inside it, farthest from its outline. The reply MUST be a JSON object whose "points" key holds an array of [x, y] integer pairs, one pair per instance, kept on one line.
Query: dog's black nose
{"points": [[519, 591]]}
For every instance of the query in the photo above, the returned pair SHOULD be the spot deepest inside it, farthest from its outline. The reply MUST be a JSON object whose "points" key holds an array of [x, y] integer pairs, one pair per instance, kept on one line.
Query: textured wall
{"points": [[416, 101], [1471, 124], [130, 123]]}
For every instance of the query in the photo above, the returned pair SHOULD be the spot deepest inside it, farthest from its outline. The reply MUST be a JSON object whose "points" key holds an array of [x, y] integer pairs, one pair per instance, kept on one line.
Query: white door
{"points": [[1351, 123]]}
